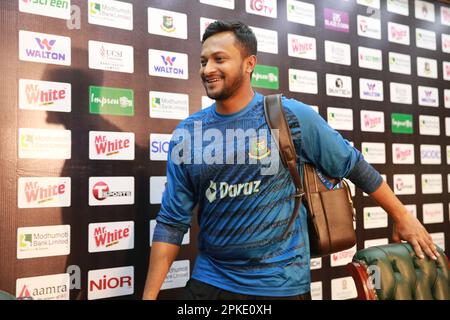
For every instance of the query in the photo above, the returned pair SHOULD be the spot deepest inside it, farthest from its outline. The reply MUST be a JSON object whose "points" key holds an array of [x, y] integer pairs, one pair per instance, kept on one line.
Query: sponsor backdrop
{"points": [[92, 90]]}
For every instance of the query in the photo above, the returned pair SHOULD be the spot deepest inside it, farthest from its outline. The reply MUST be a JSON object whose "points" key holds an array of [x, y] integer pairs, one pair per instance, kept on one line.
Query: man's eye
{"points": [[203, 63]]}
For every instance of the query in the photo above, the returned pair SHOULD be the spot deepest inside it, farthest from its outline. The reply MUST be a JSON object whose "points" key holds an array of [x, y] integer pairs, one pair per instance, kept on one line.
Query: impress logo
{"points": [[105, 191], [51, 287], [301, 47], [402, 153], [110, 13], [104, 145], [111, 57], [111, 236], [112, 101], [44, 95], [267, 8], [43, 192], [336, 20], [44, 48], [113, 282], [51, 8], [266, 77], [168, 64], [402, 123], [45, 241]]}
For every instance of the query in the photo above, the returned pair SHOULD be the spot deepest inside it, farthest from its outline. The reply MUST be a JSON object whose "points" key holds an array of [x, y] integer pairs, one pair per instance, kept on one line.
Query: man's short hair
{"points": [[244, 35]]}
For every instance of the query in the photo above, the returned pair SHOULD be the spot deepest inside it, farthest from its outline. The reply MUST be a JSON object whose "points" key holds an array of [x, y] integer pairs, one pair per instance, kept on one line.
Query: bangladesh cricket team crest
{"points": [[167, 24], [259, 150]]}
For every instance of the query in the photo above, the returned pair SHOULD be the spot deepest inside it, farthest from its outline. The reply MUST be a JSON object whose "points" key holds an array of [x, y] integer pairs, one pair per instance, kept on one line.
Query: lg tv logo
{"points": [[266, 8], [159, 146]]}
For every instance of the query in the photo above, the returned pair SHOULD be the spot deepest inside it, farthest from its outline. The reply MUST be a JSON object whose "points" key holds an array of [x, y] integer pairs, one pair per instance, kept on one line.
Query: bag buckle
{"points": [[299, 194]]}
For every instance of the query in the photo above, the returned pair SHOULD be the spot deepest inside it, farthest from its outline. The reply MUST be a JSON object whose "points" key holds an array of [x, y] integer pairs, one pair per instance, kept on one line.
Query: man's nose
{"points": [[209, 67]]}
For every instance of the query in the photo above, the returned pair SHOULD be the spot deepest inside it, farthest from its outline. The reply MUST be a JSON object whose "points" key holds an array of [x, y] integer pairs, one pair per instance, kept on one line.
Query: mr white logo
{"points": [[404, 184], [167, 23], [43, 192], [398, 33], [338, 85], [402, 153], [266, 8], [111, 236], [105, 191], [370, 89], [401, 93], [372, 121], [44, 95], [369, 27], [222, 190], [44, 48], [52, 287], [111, 57], [303, 81], [51, 8], [428, 96], [107, 283], [301, 47], [168, 64], [105, 145], [45, 241]]}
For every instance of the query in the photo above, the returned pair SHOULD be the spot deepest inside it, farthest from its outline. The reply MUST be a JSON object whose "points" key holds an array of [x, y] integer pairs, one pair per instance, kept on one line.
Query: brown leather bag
{"points": [[330, 212]]}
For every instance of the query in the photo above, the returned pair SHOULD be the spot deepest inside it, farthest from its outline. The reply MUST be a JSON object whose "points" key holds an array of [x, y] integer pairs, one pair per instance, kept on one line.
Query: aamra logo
{"points": [[167, 24]]}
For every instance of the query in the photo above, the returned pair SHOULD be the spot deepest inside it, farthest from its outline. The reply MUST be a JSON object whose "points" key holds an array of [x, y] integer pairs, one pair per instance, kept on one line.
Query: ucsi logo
{"points": [[110, 54], [168, 60], [222, 190], [261, 6]]}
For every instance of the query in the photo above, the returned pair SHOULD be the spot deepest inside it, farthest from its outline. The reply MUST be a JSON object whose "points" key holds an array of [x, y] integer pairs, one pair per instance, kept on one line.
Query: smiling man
{"points": [[244, 252]]}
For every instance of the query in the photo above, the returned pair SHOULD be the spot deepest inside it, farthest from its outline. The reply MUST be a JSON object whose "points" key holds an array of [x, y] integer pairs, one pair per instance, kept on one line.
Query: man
{"points": [[242, 212]]}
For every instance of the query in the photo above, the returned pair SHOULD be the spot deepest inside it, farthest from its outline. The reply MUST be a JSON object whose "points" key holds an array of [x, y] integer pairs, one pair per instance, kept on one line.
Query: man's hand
{"points": [[408, 228]]}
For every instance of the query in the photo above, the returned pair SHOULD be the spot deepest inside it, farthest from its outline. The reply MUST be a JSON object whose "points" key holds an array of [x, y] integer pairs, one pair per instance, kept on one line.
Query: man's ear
{"points": [[250, 63]]}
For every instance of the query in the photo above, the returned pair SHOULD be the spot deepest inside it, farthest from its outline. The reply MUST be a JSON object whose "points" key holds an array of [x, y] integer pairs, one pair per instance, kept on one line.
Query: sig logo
{"points": [[159, 146]]}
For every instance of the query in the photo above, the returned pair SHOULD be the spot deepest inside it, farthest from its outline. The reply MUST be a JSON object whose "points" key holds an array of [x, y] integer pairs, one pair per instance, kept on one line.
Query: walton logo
{"points": [[105, 238], [36, 96], [46, 47], [232, 191], [40, 194], [100, 190], [103, 146], [168, 60]]}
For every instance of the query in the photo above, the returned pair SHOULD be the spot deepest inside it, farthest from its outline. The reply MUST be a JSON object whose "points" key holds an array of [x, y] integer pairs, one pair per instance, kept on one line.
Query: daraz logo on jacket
{"points": [[222, 189]]}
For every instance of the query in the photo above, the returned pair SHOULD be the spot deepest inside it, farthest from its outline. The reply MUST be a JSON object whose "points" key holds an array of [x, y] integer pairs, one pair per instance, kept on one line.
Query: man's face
{"points": [[222, 66]]}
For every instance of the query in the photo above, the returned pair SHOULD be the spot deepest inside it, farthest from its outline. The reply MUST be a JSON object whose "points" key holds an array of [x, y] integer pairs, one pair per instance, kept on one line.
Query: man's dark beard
{"points": [[227, 92]]}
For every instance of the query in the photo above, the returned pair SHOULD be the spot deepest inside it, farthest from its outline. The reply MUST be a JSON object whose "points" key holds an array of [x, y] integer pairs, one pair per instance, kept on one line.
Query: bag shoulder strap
{"points": [[276, 119]]}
